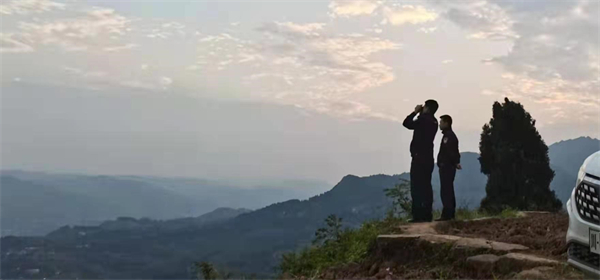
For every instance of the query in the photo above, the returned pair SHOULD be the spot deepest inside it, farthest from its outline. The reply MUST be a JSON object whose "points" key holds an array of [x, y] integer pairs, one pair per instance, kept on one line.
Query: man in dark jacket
{"points": [[421, 150], [448, 161]]}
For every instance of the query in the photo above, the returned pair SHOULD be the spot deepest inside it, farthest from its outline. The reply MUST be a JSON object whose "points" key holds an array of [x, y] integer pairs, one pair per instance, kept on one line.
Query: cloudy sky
{"points": [[286, 89]]}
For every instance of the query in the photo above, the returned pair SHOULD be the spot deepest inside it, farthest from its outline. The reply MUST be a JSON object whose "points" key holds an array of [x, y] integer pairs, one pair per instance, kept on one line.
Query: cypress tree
{"points": [[514, 157]]}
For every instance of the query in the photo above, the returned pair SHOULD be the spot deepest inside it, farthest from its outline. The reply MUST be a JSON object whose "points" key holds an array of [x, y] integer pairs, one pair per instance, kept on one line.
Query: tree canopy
{"points": [[515, 158]]}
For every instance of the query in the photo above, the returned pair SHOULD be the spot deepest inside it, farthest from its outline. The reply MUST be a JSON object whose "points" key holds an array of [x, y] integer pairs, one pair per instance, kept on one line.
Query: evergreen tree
{"points": [[515, 158]]}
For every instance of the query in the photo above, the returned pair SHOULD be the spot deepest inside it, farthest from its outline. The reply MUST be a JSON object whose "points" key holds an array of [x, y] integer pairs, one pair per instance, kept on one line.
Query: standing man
{"points": [[448, 161], [421, 150]]}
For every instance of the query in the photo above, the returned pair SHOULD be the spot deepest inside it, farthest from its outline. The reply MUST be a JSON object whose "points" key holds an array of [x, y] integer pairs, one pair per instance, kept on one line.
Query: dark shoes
{"points": [[443, 219]]}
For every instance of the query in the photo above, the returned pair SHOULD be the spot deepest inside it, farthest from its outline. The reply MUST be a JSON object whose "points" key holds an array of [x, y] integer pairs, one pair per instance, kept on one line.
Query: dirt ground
{"points": [[543, 233]]}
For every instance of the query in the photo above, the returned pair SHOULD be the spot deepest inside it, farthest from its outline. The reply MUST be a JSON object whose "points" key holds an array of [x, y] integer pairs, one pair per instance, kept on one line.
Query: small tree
{"points": [[401, 202], [514, 157], [206, 270], [331, 232]]}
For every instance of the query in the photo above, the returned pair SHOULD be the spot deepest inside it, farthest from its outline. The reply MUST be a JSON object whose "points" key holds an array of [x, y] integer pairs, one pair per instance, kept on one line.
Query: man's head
{"points": [[445, 122], [430, 107]]}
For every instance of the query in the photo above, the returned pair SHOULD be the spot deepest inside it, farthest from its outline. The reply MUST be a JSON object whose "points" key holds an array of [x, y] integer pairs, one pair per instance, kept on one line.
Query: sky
{"points": [[280, 89]]}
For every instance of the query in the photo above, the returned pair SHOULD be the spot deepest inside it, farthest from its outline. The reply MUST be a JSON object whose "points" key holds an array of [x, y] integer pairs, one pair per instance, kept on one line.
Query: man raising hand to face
{"points": [[421, 150]]}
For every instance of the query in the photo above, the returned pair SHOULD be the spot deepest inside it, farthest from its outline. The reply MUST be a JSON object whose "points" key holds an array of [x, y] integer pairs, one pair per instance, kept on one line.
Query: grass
{"points": [[353, 245]]}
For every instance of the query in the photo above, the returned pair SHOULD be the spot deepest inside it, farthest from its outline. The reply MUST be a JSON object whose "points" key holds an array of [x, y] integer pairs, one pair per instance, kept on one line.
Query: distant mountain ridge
{"points": [[251, 242], [566, 158], [35, 203], [129, 224]]}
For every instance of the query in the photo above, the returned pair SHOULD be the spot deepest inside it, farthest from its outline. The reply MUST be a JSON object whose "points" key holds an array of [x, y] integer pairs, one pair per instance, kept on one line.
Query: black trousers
{"points": [[447, 174], [421, 190]]}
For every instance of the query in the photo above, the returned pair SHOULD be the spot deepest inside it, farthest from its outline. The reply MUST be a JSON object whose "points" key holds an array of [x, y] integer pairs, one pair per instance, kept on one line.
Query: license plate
{"points": [[595, 241]]}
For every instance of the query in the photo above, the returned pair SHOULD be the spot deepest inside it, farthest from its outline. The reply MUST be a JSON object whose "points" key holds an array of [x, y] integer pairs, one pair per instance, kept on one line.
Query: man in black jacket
{"points": [[448, 161], [421, 150]]}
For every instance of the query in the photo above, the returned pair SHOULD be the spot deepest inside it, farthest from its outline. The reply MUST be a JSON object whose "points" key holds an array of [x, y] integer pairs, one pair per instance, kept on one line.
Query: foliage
{"points": [[206, 270], [330, 233], [350, 246], [515, 159], [353, 245], [401, 202]]}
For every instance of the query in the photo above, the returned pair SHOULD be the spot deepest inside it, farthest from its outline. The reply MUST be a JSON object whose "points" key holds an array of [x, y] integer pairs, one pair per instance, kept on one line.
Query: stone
{"points": [[522, 214], [440, 238], [508, 247], [381, 274], [482, 262], [472, 243], [530, 274], [528, 260], [482, 218], [459, 242], [544, 269], [419, 228], [399, 236], [373, 269], [543, 272]]}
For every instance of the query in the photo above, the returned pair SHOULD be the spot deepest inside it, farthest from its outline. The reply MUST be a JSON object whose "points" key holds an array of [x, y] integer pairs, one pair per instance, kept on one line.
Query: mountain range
{"points": [[248, 242], [35, 203]]}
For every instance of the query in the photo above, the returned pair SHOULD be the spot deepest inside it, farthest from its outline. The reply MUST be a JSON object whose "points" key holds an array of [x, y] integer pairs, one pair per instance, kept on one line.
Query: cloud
{"points": [[485, 20], [348, 109], [563, 45], [162, 83], [165, 81], [308, 29], [165, 30], [427, 30], [93, 29], [138, 84], [554, 59], [301, 64], [447, 61], [353, 8], [121, 48], [100, 79], [25, 7], [487, 92], [84, 74], [578, 101], [10, 44], [292, 30], [408, 14], [375, 30]]}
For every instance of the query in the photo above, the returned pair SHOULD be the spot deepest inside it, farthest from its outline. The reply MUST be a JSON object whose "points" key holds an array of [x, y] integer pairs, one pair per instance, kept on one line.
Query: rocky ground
{"points": [[529, 247]]}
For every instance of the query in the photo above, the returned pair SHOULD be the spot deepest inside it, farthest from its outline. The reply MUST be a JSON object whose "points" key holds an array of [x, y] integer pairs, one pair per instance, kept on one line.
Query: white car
{"points": [[583, 236]]}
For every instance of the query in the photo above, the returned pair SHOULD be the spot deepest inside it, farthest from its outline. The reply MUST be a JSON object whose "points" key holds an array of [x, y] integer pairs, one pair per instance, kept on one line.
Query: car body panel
{"points": [[579, 229]]}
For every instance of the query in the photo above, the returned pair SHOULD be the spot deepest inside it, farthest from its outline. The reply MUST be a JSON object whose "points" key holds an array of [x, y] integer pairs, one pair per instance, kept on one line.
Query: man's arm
{"points": [[410, 121], [456, 152]]}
